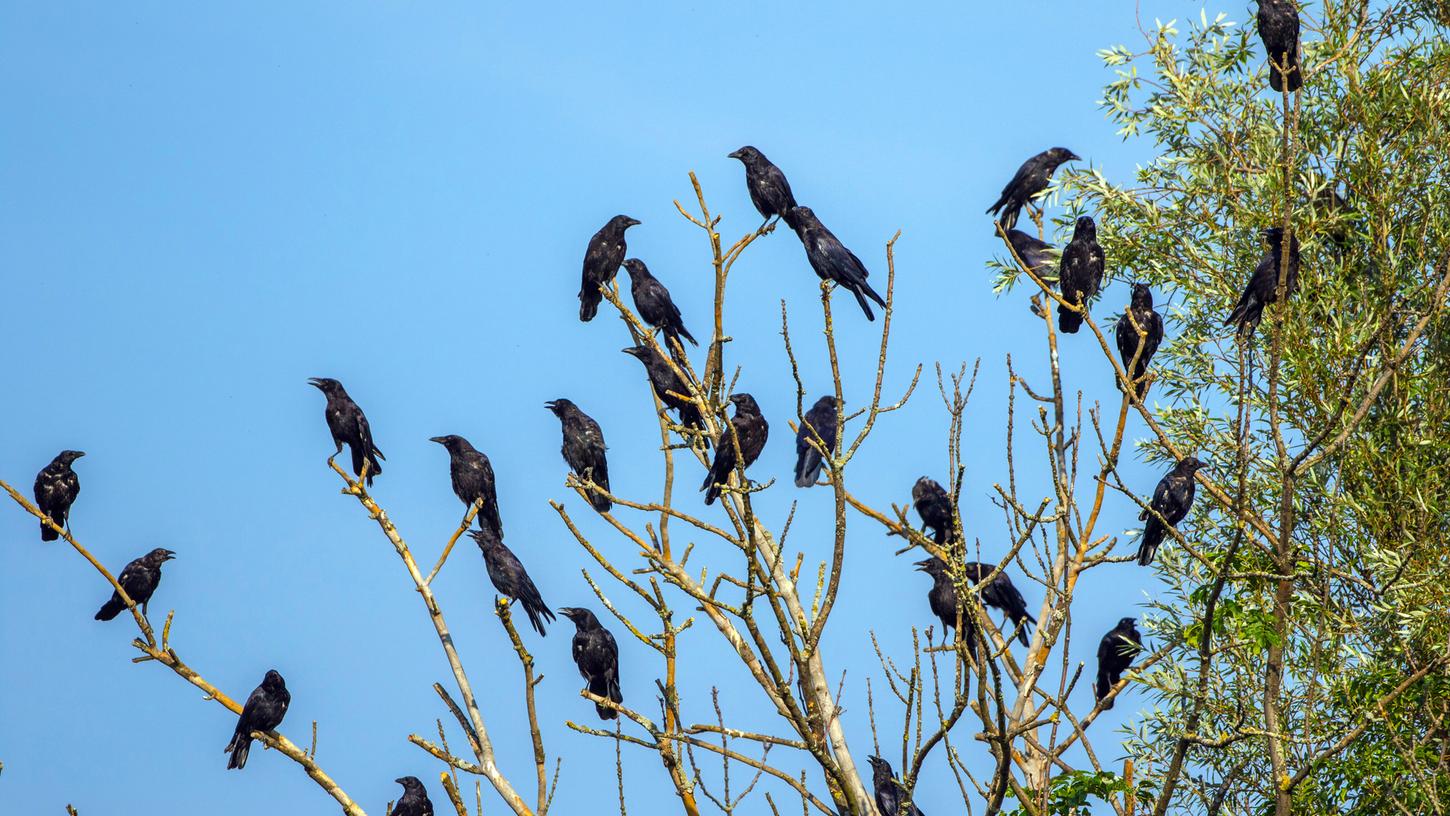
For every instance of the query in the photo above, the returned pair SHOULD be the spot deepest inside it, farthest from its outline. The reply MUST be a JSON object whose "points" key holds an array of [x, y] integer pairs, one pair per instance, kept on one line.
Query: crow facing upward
{"points": [[1140, 311], [1172, 499], [583, 448], [56, 488], [667, 384], [942, 598], [263, 711], [654, 303], [1080, 274], [934, 505], [830, 258], [769, 191], [808, 460], [601, 263], [139, 579], [1279, 29], [414, 801], [889, 792], [1003, 596], [472, 476], [597, 656], [751, 430], [1029, 182], [1263, 285], [1115, 654], [349, 426], [510, 578]]}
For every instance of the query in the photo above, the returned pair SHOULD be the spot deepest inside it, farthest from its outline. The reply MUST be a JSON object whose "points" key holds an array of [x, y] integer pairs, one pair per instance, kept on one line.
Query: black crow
{"points": [[1080, 274], [666, 383], [1003, 596], [1030, 181], [263, 711], [597, 656], [583, 448], [942, 597], [934, 505], [510, 578], [472, 476], [751, 429], [414, 801], [654, 303], [769, 191], [808, 460], [1171, 498], [348, 425], [1038, 256], [830, 258], [1263, 286], [1279, 29], [56, 488], [601, 263], [1115, 654], [139, 579], [1140, 311], [889, 793]]}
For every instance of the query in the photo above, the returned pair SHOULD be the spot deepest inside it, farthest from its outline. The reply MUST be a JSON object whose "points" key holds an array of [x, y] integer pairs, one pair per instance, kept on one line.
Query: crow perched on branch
{"points": [[667, 384], [769, 191], [1140, 311], [1002, 595], [808, 460], [583, 448], [751, 429], [654, 303], [934, 505], [349, 426], [1263, 285], [1172, 499], [1115, 654], [942, 597], [601, 263], [889, 792], [1029, 182], [263, 711], [414, 801], [472, 476], [139, 579], [1038, 256], [56, 488], [1279, 29], [830, 258], [597, 656], [1080, 274], [510, 578]]}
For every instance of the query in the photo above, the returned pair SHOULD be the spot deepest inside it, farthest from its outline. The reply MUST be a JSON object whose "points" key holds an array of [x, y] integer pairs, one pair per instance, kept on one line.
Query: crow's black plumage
{"points": [[654, 303], [1279, 29], [934, 505], [942, 598], [830, 258], [583, 448], [1150, 323], [1038, 256], [889, 793], [472, 477], [1003, 596], [1080, 274], [56, 488], [1263, 285], [601, 263], [769, 191], [668, 386], [1172, 499], [1115, 654], [1029, 182], [263, 711], [597, 656], [139, 579], [414, 801], [510, 578], [751, 430], [808, 460], [349, 426]]}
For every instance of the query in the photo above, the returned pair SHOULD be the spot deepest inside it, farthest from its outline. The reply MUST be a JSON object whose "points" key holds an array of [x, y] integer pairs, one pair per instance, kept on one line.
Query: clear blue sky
{"points": [[204, 206]]}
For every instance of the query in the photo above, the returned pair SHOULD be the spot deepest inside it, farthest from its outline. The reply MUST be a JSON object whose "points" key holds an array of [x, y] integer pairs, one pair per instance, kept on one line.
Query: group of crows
{"points": [[1079, 276]]}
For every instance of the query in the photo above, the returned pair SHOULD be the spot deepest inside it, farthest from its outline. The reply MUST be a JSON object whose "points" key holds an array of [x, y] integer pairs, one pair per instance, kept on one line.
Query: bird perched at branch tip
{"points": [[510, 578], [1029, 182], [831, 259], [349, 426], [769, 191], [1279, 29], [472, 477]]}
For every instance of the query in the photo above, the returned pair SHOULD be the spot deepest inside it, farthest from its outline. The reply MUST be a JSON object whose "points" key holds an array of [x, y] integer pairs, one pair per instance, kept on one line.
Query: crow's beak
{"points": [[1073, 156], [922, 565], [551, 405], [169, 555], [734, 154], [567, 611], [634, 222], [632, 351], [399, 780], [437, 439], [79, 454], [315, 382]]}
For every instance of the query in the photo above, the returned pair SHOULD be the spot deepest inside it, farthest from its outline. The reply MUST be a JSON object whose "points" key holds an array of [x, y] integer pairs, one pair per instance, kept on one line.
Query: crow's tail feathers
{"points": [[240, 745], [1068, 321], [110, 610], [808, 468]]}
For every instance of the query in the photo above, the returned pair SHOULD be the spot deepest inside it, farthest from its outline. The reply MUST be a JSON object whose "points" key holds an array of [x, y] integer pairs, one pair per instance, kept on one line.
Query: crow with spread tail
{"points": [[769, 191], [1115, 654], [56, 488], [808, 459], [263, 711], [1081, 273], [751, 430], [597, 656], [509, 577], [654, 303], [601, 263], [1030, 181], [349, 426], [472, 477], [583, 449], [1172, 499], [139, 579], [1139, 317], [830, 258]]}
